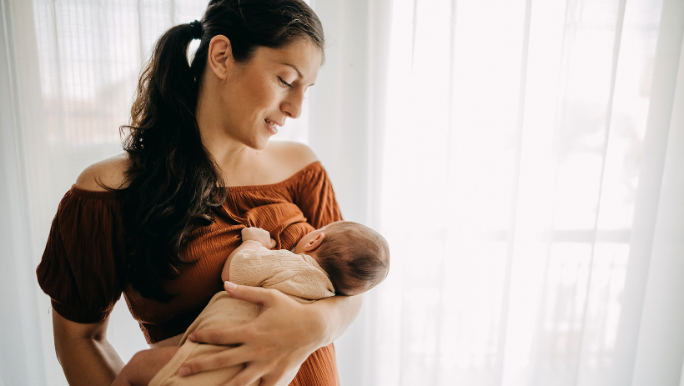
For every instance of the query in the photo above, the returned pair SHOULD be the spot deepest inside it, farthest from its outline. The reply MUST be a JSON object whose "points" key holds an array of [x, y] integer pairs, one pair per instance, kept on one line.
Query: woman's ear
{"points": [[220, 57], [314, 243]]}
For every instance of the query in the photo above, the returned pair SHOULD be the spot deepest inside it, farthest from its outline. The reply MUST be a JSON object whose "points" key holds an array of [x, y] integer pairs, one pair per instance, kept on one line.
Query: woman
{"points": [[158, 222]]}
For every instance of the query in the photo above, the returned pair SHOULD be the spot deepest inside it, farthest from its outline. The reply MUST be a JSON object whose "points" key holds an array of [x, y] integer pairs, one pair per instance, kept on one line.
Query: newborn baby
{"points": [[343, 258]]}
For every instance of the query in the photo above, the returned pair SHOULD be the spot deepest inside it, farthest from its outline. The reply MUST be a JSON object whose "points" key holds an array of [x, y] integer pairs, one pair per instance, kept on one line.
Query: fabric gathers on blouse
{"points": [[82, 268]]}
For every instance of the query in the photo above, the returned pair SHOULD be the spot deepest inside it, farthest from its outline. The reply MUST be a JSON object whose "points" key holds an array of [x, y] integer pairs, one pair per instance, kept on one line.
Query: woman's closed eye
{"points": [[284, 83]]}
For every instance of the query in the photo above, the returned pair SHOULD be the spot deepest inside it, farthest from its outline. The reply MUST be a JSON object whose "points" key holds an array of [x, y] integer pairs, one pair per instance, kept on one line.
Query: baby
{"points": [[343, 258]]}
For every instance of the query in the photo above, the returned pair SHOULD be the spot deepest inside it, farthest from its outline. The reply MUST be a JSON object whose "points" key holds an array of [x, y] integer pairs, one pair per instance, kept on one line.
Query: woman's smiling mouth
{"points": [[272, 126]]}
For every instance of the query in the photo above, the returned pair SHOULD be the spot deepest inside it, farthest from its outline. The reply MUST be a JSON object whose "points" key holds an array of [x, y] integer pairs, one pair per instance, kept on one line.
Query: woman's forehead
{"points": [[302, 56]]}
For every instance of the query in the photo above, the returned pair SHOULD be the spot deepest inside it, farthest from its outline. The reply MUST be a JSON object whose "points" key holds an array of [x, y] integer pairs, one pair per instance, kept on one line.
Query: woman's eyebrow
{"points": [[296, 69]]}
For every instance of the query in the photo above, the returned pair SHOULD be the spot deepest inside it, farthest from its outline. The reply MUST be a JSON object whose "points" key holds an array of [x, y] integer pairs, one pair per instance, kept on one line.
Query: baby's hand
{"points": [[260, 235]]}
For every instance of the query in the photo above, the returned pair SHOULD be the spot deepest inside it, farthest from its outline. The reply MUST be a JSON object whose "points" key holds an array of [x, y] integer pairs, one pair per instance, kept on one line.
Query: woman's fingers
{"points": [[226, 358], [219, 336], [257, 295]]}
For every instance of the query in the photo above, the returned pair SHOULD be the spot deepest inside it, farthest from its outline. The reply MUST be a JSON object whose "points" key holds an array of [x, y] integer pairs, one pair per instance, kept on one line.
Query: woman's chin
{"points": [[260, 144]]}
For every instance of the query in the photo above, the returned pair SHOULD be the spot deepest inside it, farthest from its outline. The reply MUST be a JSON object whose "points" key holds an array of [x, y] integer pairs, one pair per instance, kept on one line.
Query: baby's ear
{"points": [[314, 243]]}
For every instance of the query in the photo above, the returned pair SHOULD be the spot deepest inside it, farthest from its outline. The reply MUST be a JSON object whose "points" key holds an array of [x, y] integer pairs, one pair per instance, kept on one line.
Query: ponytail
{"points": [[172, 181]]}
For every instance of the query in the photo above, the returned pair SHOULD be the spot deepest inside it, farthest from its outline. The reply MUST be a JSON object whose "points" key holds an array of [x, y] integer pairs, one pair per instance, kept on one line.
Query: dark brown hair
{"points": [[173, 184], [355, 257]]}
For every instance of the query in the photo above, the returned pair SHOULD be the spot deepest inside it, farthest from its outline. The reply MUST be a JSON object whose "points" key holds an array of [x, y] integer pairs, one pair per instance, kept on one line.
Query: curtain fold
{"points": [[515, 187], [660, 345], [23, 360]]}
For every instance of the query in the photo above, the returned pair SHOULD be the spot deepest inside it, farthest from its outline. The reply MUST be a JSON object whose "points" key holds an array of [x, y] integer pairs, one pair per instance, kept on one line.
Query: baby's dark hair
{"points": [[355, 257]]}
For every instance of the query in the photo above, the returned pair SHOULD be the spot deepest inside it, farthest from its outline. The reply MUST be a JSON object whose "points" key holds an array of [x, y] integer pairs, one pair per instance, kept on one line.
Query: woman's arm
{"points": [[337, 313], [144, 366], [86, 356], [279, 340]]}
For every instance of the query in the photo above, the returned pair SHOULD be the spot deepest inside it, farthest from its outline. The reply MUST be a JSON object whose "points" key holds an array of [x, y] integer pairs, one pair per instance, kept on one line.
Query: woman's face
{"points": [[259, 95]]}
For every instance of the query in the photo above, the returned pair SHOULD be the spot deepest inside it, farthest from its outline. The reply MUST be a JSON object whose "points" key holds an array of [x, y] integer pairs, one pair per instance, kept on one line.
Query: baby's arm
{"points": [[144, 366], [252, 238]]}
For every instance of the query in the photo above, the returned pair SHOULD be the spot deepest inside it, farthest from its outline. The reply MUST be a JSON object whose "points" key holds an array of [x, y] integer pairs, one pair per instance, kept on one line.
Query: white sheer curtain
{"points": [[522, 157], [531, 194]]}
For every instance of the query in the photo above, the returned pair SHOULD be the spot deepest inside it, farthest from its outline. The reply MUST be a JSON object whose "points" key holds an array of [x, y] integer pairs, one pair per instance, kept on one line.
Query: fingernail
{"points": [[230, 285], [191, 337], [185, 370]]}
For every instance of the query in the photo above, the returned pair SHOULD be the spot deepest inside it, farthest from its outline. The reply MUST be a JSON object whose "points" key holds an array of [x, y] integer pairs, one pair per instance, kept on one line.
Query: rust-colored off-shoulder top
{"points": [[82, 268]]}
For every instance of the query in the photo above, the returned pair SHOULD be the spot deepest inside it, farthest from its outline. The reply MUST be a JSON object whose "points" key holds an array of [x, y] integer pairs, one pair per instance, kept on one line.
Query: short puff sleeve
{"points": [[316, 198], [82, 266]]}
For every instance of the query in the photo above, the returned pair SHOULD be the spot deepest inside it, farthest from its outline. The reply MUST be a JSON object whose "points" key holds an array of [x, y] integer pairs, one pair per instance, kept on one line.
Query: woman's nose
{"points": [[292, 107]]}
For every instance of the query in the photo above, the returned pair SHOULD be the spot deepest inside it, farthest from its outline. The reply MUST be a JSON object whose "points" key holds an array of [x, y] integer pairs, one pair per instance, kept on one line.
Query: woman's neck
{"points": [[229, 153]]}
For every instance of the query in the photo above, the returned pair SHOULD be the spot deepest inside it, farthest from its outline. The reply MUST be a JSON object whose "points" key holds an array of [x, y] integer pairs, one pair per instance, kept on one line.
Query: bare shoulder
{"points": [[109, 172], [293, 156]]}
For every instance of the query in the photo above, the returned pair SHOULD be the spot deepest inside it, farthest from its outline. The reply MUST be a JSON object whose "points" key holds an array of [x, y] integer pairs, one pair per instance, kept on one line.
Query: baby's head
{"points": [[355, 257]]}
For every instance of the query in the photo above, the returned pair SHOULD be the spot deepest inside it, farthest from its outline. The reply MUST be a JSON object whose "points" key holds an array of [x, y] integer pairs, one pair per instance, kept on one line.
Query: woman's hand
{"points": [[273, 346], [144, 365]]}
